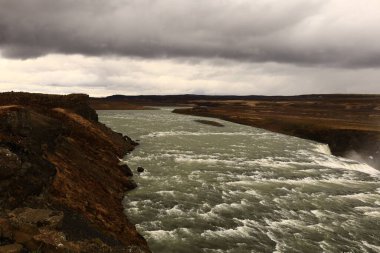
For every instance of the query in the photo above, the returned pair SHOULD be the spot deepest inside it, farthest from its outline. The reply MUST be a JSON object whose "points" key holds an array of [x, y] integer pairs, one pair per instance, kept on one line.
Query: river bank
{"points": [[60, 178], [348, 124]]}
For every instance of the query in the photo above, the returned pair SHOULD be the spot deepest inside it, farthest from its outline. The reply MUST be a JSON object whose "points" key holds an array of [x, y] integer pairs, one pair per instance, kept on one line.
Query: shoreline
{"points": [[357, 144], [329, 139], [348, 123]]}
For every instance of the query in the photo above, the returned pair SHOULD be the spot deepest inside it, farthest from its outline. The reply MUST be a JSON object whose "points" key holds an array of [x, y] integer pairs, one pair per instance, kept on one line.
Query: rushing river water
{"points": [[242, 189]]}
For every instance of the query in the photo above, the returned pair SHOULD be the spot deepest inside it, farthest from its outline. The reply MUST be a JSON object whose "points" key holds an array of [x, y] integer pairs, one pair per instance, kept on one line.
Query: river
{"points": [[242, 189]]}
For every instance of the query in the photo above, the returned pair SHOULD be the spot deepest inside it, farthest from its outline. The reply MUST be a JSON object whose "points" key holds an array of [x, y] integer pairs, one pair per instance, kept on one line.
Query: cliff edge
{"points": [[61, 184]]}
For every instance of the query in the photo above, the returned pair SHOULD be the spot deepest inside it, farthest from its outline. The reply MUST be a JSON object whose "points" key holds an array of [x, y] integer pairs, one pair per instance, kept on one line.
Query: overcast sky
{"points": [[268, 47]]}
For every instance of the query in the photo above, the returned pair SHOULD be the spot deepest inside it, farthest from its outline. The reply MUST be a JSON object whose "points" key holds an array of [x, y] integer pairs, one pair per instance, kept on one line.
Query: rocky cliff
{"points": [[61, 184]]}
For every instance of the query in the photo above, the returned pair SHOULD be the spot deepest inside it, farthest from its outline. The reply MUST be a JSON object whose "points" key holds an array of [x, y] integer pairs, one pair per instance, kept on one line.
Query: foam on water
{"points": [[323, 148], [341, 163], [375, 248], [272, 162], [161, 235], [166, 193], [239, 189], [237, 232]]}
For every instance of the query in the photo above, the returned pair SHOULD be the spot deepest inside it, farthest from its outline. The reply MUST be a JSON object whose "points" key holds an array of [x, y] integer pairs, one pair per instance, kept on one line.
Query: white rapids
{"points": [[241, 189]]}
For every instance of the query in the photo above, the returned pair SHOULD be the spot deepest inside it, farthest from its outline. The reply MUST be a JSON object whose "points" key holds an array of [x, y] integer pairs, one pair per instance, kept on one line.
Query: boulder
{"points": [[130, 184], [126, 170]]}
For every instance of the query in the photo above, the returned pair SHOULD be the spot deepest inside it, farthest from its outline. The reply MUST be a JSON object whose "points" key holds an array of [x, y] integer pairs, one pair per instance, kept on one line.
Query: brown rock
{"points": [[62, 158], [12, 248], [5, 229], [51, 237], [37, 217], [22, 237]]}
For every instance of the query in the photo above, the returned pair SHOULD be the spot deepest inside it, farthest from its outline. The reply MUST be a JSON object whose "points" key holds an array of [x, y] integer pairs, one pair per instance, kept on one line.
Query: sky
{"points": [[216, 47]]}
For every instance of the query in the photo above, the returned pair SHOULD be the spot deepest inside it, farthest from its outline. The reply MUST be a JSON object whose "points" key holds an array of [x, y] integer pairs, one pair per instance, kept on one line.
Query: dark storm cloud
{"points": [[299, 32]]}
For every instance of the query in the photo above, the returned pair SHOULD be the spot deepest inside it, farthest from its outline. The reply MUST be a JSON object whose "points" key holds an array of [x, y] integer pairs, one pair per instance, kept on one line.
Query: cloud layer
{"points": [[106, 76], [270, 47], [328, 33]]}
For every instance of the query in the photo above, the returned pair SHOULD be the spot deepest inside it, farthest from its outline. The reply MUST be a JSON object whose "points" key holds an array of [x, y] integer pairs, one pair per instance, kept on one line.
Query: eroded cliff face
{"points": [[61, 184]]}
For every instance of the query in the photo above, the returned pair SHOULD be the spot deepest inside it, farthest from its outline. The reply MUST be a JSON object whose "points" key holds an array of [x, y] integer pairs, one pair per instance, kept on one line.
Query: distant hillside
{"points": [[135, 102]]}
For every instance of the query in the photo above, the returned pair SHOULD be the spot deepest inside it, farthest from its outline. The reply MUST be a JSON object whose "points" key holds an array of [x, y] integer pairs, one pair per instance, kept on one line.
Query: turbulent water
{"points": [[241, 189]]}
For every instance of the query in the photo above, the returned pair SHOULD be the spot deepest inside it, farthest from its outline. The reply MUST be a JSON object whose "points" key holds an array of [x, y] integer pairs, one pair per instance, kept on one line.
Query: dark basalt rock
{"points": [[127, 171], [209, 122], [140, 169], [130, 140], [131, 184]]}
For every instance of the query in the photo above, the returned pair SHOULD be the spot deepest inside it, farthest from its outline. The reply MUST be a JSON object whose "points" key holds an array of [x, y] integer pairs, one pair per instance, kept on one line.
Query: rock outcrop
{"points": [[209, 122], [61, 184]]}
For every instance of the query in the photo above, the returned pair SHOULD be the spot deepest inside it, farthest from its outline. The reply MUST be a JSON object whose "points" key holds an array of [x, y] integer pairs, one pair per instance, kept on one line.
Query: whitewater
{"points": [[242, 189]]}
